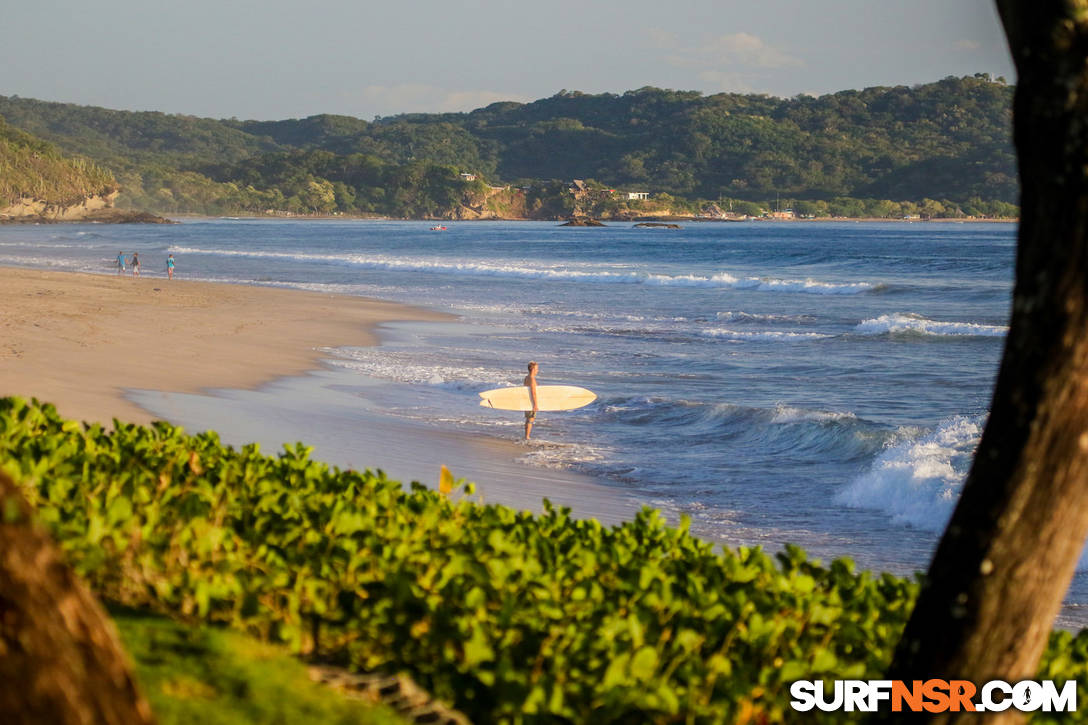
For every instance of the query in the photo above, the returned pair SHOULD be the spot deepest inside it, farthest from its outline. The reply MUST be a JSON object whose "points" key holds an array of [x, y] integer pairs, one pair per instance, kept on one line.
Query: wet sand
{"points": [[79, 340], [332, 411], [246, 361]]}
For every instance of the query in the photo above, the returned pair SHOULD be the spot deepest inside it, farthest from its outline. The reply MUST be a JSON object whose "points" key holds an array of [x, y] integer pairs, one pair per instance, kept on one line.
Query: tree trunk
{"points": [[60, 662], [1006, 559]]}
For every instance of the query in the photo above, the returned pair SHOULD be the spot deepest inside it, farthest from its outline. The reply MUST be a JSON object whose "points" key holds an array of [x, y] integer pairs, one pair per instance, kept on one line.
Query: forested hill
{"points": [[34, 175], [944, 140]]}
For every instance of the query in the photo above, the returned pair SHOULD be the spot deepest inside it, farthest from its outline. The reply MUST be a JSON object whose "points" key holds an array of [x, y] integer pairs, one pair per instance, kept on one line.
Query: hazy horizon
{"points": [[278, 61]]}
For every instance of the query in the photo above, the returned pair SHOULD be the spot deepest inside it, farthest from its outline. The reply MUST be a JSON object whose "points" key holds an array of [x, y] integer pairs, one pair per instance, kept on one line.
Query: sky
{"points": [[278, 59]]}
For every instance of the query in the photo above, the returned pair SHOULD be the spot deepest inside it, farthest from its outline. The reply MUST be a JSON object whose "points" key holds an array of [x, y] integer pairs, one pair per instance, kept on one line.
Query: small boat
{"points": [[438, 229]]}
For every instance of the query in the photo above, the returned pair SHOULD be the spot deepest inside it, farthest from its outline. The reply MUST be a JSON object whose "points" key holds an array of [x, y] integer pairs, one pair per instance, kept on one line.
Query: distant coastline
{"points": [[898, 152], [182, 217]]}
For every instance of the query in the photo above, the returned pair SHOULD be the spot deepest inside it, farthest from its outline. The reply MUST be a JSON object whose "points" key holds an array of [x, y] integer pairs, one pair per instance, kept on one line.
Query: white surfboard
{"points": [[548, 397]]}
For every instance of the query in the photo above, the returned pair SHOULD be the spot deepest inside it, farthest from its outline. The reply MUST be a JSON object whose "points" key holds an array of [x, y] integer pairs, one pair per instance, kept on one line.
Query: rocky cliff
{"points": [[37, 182], [27, 206]]}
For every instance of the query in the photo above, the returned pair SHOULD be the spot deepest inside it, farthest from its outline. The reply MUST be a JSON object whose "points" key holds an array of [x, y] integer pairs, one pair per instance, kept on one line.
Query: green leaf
{"points": [[824, 660], [644, 663], [616, 672], [120, 511], [478, 649]]}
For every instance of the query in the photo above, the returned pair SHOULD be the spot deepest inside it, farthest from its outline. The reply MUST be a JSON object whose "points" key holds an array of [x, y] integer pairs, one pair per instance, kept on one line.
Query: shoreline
{"points": [[182, 218], [249, 363], [79, 340], [334, 412]]}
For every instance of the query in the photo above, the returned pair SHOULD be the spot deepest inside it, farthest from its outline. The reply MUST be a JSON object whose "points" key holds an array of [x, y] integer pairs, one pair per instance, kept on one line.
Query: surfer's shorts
{"points": [[530, 415]]}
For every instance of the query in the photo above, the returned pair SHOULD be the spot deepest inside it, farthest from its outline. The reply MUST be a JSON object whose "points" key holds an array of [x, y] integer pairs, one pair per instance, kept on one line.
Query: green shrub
{"points": [[507, 615]]}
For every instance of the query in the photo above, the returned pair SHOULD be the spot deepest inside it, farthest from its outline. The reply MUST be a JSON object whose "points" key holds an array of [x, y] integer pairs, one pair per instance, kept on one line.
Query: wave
{"points": [[766, 432], [545, 319], [722, 280], [788, 414], [49, 244], [738, 335], [403, 367], [736, 316], [71, 264], [910, 324], [678, 330], [918, 479], [548, 311]]}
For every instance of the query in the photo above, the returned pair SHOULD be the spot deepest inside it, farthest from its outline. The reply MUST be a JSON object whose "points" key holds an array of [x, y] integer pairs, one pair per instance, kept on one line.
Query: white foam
{"points": [[786, 414], [776, 335], [569, 273], [918, 480], [731, 316], [406, 368], [915, 324], [329, 287], [39, 245], [57, 262], [552, 312], [480, 422], [545, 454], [816, 287]]}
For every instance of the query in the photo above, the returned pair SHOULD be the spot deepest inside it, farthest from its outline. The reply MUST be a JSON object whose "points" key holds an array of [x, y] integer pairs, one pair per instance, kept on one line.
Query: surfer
{"points": [[530, 382]]}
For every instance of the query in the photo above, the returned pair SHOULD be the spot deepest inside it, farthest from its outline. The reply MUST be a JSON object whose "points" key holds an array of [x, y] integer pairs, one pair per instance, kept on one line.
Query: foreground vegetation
{"points": [[203, 674], [507, 615], [943, 145]]}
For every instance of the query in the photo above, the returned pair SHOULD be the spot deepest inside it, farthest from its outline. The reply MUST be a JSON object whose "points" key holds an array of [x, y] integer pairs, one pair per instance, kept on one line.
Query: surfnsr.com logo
{"points": [[933, 696]]}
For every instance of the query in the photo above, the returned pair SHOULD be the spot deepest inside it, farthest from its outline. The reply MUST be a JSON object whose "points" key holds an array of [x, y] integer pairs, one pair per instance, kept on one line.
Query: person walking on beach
{"points": [[135, 264], [530, 382], [170, 266], [120, 263]]}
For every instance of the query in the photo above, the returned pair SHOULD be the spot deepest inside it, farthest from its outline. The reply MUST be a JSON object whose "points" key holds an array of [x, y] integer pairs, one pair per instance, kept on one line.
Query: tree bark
{"points": [[1005, 561], [60, 662]]}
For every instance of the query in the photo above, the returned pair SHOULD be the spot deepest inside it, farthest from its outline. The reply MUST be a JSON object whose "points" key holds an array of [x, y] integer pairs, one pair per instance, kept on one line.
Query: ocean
{"points": [[823, 384]]}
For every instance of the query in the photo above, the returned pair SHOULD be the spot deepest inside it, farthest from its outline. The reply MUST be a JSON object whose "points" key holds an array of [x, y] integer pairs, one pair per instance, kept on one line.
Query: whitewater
{"points": [[823, 384]]}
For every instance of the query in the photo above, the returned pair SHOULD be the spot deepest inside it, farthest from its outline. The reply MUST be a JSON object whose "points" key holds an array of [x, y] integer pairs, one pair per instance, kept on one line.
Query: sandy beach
{"points": [[246, 361], [79, 340]]}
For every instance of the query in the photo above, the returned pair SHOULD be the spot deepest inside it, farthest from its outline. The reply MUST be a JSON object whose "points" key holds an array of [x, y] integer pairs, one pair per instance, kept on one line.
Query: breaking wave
{"points": [[908, 324], [917, 480], [476, 268]]}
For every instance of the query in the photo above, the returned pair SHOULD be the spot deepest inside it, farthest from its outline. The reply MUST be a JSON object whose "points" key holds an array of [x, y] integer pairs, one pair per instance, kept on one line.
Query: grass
{"points": [[211, 676]]}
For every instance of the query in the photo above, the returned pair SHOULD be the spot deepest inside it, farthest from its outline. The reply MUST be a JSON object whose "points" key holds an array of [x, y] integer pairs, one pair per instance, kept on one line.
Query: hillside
{"points": [[948, 141], [36, 178]]}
